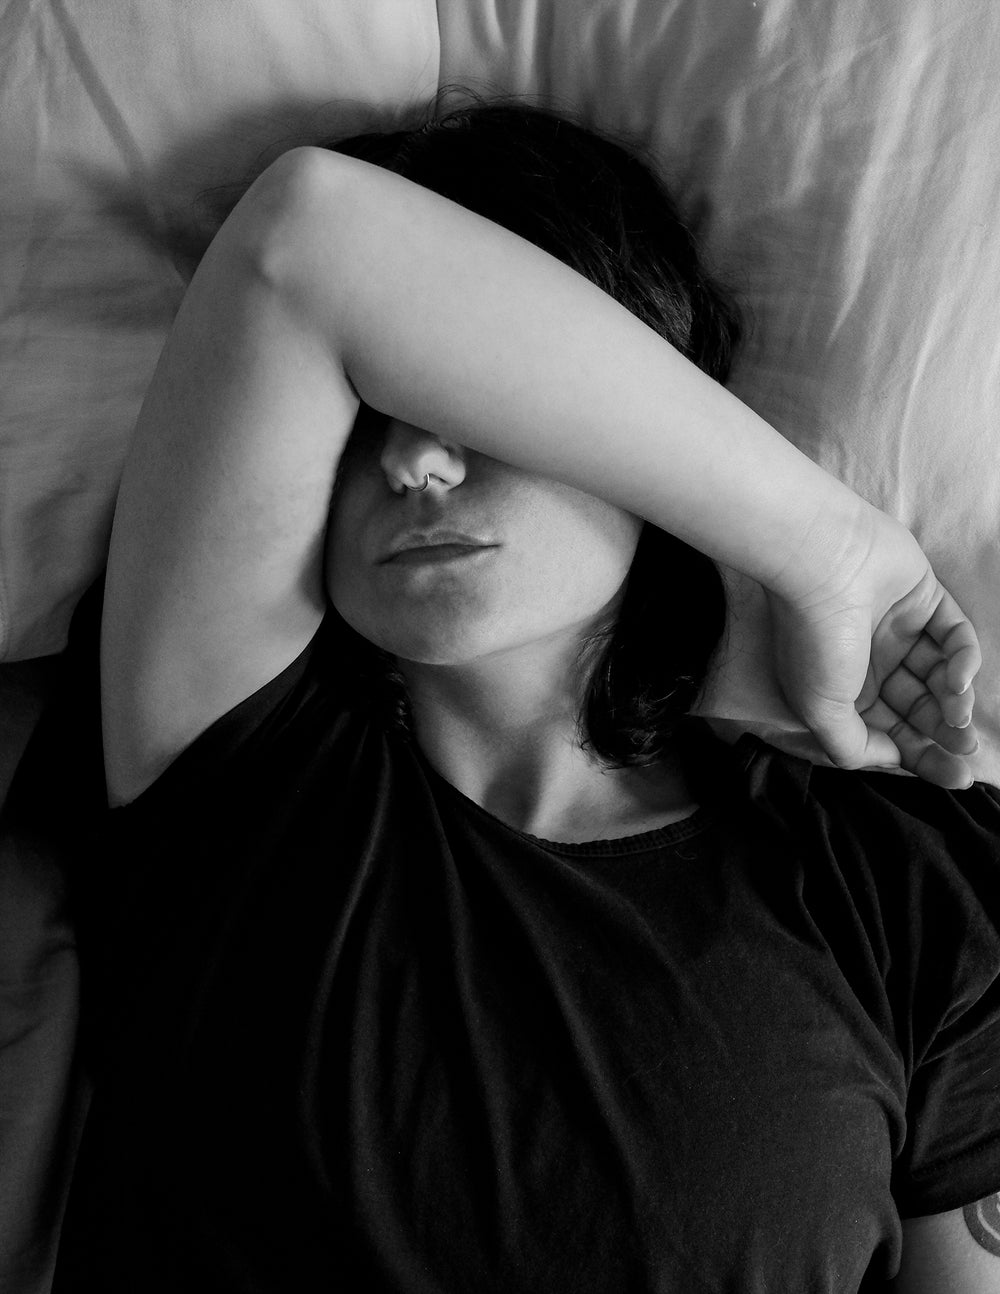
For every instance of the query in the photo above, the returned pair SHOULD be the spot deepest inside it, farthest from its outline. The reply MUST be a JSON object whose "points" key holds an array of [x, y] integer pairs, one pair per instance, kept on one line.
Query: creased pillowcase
{"points": [[113, 118], [840, 163]]}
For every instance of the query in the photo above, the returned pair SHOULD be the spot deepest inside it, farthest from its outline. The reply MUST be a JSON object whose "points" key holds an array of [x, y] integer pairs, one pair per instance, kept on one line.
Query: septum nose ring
{"points": [[419, 489]]}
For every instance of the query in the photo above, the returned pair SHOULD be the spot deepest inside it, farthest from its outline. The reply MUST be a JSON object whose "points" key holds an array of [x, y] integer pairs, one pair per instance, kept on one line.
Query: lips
{"points": [[433, 539], [440, 555]]}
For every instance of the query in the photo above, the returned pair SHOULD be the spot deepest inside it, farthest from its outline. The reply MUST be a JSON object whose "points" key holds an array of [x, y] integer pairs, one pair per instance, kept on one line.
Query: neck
{"points": [[503, 731]]}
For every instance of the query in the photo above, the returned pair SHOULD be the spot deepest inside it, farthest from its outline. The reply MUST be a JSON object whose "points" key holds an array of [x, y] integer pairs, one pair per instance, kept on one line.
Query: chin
{"points": [[440, 643]]}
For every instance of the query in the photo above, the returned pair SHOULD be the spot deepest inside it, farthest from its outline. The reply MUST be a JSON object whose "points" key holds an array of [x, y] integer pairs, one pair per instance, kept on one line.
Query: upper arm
{"points": [[957, 1252], [215, 576]]}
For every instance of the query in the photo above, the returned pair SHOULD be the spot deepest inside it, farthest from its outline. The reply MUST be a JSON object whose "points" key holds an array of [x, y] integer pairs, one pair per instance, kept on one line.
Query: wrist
{"points": [[829, 538]]}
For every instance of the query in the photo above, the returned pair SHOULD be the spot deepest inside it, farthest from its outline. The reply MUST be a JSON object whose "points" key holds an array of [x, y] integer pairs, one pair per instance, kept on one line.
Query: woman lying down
{"points": [[436, 946]]}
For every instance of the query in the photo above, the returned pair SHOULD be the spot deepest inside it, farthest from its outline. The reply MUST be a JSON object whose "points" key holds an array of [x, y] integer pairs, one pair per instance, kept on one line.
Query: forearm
{"points": [[455, 325]]}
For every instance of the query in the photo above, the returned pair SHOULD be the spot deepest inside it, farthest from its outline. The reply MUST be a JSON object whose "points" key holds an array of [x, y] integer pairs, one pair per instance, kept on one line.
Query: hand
{"points": [[877, 658]]}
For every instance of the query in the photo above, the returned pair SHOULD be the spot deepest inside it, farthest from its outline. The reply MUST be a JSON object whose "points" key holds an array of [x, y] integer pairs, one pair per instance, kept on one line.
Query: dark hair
{"points": [[597, 205]]}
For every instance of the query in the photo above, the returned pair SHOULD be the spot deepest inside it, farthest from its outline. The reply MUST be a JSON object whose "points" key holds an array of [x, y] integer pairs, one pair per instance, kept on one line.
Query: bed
{"points": [[838, 158]]}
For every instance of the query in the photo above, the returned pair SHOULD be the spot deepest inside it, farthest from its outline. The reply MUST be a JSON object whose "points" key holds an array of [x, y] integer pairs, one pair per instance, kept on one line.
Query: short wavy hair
{"points": [[597, 204]]}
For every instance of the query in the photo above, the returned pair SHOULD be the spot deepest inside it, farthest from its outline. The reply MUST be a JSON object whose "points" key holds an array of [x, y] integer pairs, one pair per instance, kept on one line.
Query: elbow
{"points": [[291, 213]]}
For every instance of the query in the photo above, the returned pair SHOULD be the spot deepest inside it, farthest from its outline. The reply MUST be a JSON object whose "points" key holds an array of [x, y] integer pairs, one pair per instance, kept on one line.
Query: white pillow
{"points": [[842, 163], [113, 116]]}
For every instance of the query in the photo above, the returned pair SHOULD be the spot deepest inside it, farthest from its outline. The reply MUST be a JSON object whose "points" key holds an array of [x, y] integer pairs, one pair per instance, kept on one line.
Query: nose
{"points": [[409, 454]]}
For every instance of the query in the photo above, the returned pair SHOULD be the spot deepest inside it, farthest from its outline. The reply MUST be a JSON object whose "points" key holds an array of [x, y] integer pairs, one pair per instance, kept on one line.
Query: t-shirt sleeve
{"points": [[952, 1152], [951, 1156], [320, 681], [912, 873], [284, 725], [163, 874], [933, 858], [245, 732], [330, 677]]}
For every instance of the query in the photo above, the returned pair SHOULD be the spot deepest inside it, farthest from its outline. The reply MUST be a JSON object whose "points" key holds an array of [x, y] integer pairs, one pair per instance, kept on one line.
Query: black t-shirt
{"points": [[356, 1034]]}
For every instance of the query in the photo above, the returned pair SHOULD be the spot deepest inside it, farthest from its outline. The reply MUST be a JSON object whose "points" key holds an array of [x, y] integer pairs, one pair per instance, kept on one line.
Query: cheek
{"points": [[582, 551], [342, 558], [564, 558], [559, 585]]}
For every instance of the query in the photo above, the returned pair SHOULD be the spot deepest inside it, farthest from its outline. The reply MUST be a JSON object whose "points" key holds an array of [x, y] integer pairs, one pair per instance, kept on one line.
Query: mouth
{"points": [[434, 554]]}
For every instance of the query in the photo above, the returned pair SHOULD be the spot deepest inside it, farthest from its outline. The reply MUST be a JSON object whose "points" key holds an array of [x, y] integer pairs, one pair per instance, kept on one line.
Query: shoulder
{"points": [[881, 815], [893, 822], [906, 829], [869, 814], [916, 867]]}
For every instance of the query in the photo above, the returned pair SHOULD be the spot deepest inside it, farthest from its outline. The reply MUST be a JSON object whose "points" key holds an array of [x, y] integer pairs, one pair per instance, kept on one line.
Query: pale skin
{"points": [[951, 1253], [286, 325], [488, 645], [502, 372]]}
